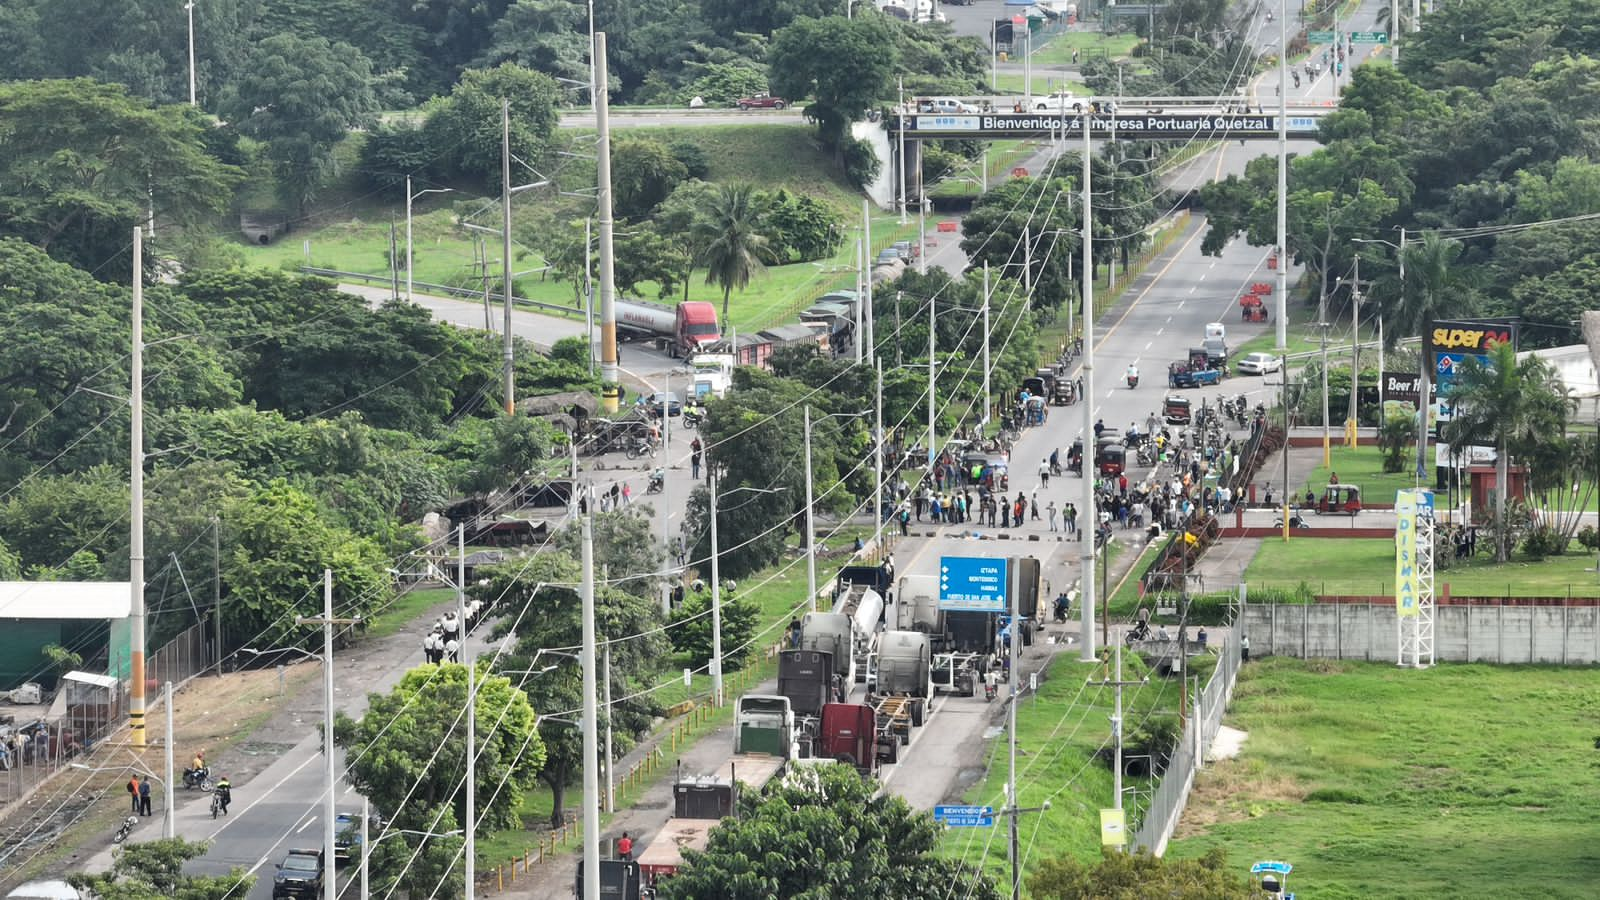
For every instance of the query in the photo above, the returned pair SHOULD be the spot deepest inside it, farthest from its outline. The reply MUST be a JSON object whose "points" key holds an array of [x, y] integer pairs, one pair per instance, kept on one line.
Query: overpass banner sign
{"points": [[1168, 126], [1368, 37], [972, 584]]}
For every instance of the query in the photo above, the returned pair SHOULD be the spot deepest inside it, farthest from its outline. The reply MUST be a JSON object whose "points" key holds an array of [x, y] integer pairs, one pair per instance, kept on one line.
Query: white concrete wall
{"points": [[1551, 635]]}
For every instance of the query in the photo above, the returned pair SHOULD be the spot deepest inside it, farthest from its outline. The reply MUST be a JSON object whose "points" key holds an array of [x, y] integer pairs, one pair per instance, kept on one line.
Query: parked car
{"points": [[945, 106], [673, 402], [1259, 363], [761, 101], [299, 875]]}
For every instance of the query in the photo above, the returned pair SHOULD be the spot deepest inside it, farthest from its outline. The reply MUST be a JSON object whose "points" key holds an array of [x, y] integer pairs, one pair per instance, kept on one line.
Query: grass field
{"points": [[1457, 781], [1366, 566], [1044, 84], [1058, 734], [1362, 466], [1090, 44]]}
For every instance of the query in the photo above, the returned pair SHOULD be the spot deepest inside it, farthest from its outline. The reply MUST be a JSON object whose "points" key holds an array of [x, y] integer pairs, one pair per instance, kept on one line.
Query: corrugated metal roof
{"points": [[65, 599]]}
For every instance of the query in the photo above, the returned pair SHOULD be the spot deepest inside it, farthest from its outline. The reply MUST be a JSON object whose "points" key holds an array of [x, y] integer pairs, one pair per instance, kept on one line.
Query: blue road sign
{"points": [[972, 583], [965, 816]]}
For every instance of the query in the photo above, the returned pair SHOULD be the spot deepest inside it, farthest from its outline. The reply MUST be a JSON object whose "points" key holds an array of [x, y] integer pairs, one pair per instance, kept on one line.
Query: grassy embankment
{"points": [[352, 232], [1463, 781]]}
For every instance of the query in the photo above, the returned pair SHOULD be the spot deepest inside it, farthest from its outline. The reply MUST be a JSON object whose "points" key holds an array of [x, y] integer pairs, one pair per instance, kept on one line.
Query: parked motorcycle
{"points": [[197, 778], [125, 829], [639, 446]]}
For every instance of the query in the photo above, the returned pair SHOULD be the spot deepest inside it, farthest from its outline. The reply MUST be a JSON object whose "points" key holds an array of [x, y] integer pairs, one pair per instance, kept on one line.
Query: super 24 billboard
{"points": [[1452, 342]]}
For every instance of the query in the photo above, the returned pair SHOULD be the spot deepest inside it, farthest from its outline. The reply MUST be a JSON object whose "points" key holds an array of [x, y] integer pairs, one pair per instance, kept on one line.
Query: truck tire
{"points": [[917, 716]]}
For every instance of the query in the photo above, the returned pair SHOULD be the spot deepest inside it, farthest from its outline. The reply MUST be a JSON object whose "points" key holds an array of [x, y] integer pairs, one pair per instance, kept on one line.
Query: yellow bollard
{"points": [[513, 871], [499, 879], [527, 859]]}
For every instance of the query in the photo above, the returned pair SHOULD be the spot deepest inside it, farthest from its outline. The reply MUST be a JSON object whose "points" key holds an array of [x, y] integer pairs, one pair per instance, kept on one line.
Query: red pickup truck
{"points": [[761, 101]]}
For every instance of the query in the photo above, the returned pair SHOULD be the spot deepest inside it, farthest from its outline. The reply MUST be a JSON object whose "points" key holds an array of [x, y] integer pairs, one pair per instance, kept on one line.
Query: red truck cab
{"points": [[697, 326], [850, 735]]}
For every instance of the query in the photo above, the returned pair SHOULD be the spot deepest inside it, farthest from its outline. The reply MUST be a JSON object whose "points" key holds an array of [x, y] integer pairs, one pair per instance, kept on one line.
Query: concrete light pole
{"points": [[1282, 250], [189, 8], [330, 773], [409, 252], [1087, 517], [610, 378], [591, 777], [136, 506]]}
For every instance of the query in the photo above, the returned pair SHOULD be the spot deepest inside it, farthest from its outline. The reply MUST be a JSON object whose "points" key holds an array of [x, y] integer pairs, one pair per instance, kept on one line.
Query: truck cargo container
{"points": [[686, 327]]}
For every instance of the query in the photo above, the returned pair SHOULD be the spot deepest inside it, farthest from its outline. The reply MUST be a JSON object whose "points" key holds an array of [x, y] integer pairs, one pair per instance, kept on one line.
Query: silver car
{"points": [[1259, 364]]}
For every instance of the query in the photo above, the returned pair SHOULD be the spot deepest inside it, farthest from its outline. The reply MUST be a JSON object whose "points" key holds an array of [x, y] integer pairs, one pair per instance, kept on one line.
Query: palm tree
{"points": [[1428, 285], [732, 250], [1382, 20], [1516, 406]]}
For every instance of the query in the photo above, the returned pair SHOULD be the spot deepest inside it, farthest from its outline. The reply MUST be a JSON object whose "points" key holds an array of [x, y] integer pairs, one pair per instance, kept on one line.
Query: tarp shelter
{"points": [[73, 614]]}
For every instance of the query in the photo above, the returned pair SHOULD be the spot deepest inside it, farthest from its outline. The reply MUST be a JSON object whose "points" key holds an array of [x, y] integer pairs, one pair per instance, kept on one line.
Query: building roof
{"points": [[65, 600]]}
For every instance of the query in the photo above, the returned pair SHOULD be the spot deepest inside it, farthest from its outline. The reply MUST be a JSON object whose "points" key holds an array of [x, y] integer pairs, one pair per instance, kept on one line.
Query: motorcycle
{"points": [[1133, 381], [1295, 521], [639, 446], [692, 417], [1140, 631], [1062, 608], [197, 778], [658, 482], [125, 829], [989, 690]]}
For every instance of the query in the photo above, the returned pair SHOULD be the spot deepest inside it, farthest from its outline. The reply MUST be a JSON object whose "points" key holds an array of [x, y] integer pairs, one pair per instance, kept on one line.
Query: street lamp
{"points": [[716, 586], [410, 197], [189, 8], [1422, 369], [166, 786], [811, 531]]}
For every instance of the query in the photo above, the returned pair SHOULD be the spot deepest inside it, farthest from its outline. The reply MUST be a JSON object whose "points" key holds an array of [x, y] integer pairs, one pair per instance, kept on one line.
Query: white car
{"points": [[1259, 363]]}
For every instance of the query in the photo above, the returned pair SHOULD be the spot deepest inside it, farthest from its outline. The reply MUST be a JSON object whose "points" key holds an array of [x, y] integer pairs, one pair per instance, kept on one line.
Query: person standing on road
{"points": [[133, 793], [1071, 515], [625, 847], [144, 797], [1044, 473], [694, 459], [1050, 511]]}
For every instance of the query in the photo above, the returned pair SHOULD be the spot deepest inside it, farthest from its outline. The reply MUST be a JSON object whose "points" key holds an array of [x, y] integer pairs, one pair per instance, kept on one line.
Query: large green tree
{"points": [[733, 249], [844, 64], [82, 162], [643, 173], [410, 748], [1513, 405], [301, 96], [825, 833], [543, 609], [153, 870], [467, 123]]}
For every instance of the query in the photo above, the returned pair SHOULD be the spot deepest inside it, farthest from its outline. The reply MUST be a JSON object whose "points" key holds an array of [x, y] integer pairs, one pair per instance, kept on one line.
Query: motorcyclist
{"points": [[657, 480], [1132, 375]]}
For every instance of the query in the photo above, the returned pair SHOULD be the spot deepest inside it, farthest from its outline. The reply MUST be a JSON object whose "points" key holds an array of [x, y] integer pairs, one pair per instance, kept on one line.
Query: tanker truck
{"points": [[686, 328], [901, 684]]}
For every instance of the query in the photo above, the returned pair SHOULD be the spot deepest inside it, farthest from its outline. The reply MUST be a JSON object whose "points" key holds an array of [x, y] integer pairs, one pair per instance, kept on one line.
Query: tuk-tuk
{"points": [[1075, 457], [1111, 459], [1035, 412], [992, 469], [1035, 386], [1049, 377], [1199, 358], [1340, 498], [1175, 411], [1065, 392]]}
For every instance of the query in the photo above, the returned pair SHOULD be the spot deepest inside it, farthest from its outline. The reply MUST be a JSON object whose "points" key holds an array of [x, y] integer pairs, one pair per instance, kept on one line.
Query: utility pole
{"points": [[922, 229], [1013, 692], [366, 848], [591, 778], [903, 161], [1283, 401], [408, 239], [1394, 32], [666, 518], [136, 506], [1116, 719], [984, 420], [866, 255], [1353, 426], [933, 382], [863, 278], [610, 380], [189, 8], [716, 597], [216, 588], [510, 384], [167, 827], [330, 773], [1327, 454], [877, 462], [1282, 250], [611, 781], [811, 528], [471, 825], [1027, 262], [1086, 516]]}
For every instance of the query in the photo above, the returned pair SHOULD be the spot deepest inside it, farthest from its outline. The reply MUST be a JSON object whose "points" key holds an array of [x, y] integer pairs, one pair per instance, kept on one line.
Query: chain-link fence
{"points": [[1169, 797]]}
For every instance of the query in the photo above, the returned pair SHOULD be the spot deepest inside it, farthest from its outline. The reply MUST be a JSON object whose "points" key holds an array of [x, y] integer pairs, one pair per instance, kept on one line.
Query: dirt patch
{"points": [[1233, 790]]}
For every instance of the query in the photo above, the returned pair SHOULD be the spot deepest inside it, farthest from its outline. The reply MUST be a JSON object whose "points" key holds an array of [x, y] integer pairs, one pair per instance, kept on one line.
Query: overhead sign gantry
{"points": [[1181, 125]]}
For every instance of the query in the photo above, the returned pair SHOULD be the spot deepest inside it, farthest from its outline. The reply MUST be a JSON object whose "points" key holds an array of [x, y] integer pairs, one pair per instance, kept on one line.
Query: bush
{"points": [[1336, 795], [720, 84], [1543, 540], [1589, 538], [1395, 439], [693, 159], [861, 164], [391, 152]]}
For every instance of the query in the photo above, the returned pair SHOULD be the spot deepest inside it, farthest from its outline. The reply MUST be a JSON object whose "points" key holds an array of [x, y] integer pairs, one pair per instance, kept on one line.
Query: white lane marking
{"points": [[1181, 303], [1147, 344], [1159, 330], [309, 822]]}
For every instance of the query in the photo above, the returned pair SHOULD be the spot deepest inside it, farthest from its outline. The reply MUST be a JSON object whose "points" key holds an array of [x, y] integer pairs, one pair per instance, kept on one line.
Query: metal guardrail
{"points": [[430, 288]]}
